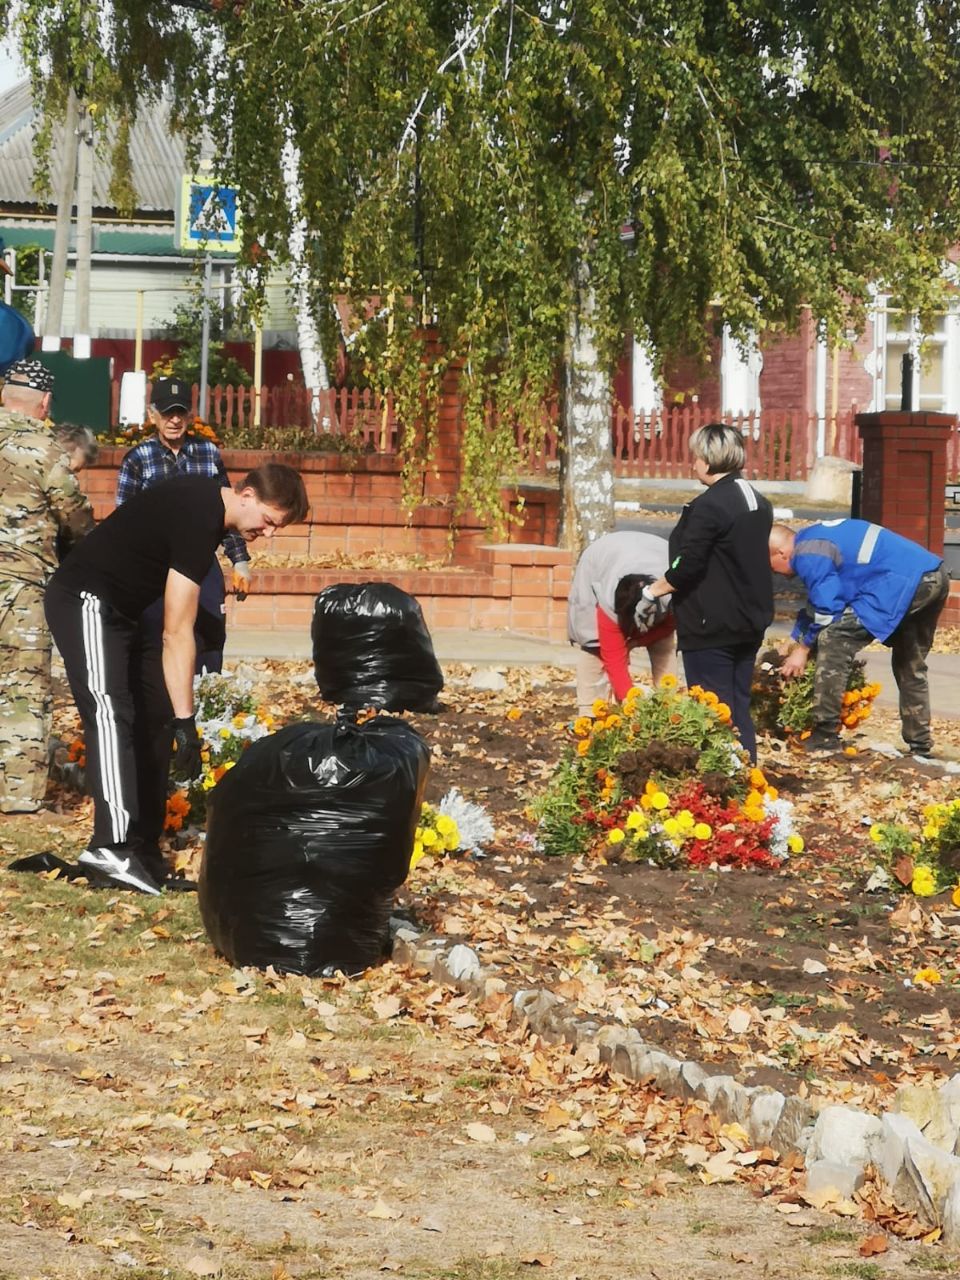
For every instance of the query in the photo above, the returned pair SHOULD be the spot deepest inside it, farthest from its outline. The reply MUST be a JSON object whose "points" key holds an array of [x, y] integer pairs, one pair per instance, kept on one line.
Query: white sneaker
{"points": [[110, 867]]}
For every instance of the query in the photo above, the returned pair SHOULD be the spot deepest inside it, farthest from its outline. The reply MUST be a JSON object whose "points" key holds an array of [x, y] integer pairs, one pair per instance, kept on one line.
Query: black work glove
{"points": [[650, 610], [187, 763]]}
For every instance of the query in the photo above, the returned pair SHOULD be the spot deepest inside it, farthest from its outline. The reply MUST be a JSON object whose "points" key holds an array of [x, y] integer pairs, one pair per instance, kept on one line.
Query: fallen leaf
{"points": [[202, 1266], [739, 1021], [480, 1132], [538, 1259], [388, 1007], [872, 1245], [814, 966], [384, 1212]]}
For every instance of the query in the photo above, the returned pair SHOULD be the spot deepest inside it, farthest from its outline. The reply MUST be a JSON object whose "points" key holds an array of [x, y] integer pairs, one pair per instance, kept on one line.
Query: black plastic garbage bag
{"points": [[371, 648], [308, 836]]}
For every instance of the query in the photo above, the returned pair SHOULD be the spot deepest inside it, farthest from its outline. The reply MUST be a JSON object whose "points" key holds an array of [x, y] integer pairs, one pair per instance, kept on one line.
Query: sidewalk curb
{"points": [[838, 1142]]}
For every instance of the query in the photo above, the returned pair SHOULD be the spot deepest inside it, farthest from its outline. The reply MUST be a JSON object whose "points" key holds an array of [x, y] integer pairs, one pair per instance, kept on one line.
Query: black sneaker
{"points": [[105, 867], [822, 743]]}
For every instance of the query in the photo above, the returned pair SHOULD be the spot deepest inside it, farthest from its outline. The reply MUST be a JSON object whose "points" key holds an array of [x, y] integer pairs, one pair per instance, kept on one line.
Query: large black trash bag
{"points": [[371, 648], [308, 836]]}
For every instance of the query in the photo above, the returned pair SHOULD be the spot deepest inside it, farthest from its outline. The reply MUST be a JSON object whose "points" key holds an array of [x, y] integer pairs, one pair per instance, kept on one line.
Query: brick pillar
{"points": [[905, 472]]}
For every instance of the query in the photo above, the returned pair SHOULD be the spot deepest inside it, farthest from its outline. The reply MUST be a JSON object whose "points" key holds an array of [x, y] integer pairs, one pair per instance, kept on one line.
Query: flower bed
{"points": [[664, 780], [924, 858], [784, 708]]}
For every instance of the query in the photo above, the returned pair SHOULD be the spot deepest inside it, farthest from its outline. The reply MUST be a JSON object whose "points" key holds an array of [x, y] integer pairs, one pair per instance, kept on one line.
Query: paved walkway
{"points": [[507, 649]]}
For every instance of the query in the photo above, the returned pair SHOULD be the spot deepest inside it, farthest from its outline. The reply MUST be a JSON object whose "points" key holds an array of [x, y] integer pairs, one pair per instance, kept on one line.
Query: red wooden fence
{"points": [[781, 444]]}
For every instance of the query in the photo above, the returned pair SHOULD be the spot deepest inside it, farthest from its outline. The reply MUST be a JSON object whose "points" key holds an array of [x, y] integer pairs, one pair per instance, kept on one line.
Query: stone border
{"points": [[912, 1148]]}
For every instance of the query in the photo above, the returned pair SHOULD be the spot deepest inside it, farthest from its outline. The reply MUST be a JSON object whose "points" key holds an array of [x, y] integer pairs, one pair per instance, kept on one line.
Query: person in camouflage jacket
{"points": [[41, 510]]}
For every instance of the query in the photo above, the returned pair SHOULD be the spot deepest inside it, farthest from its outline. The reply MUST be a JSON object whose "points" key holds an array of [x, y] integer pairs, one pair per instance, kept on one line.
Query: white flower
{"points": [[473, 822], [782, 813]]}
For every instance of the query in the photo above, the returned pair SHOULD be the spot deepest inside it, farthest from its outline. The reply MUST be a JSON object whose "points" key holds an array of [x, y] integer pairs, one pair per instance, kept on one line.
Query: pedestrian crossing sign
{"points": [[209, 215]]}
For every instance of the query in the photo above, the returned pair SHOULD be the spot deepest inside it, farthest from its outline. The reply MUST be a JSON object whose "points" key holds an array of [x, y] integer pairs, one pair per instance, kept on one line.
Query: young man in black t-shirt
{"points": [[127, 687]]}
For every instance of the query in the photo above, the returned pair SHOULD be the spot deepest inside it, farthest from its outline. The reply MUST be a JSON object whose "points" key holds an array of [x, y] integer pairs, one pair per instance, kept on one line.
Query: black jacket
{"points": [[720, 567]]}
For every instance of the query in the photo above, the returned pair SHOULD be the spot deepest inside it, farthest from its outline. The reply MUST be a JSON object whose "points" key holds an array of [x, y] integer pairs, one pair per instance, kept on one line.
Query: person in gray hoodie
{"points": [[603, 620]]}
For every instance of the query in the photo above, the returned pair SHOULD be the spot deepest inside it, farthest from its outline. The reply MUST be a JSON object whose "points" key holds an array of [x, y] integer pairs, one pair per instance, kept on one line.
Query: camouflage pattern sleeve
{"points": [[67, 503]]}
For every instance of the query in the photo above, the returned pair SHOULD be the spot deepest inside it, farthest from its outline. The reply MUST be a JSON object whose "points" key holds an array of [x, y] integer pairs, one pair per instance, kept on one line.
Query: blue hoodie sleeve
{"points": [[826, 599]]}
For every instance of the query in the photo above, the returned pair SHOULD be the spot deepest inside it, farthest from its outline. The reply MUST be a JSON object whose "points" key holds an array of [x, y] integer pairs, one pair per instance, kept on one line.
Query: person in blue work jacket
{"points": [[864, 583]]}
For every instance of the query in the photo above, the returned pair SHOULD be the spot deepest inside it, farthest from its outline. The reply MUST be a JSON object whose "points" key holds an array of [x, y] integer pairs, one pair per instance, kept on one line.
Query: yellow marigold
{"points": [[753, 814], [660, 800], [795, 843], [429, 837], [514, 713], [771, 793], [757, 779], [599, 709], [955, 896], [927, 975], [615, 835], [582, 726], [417, 854], [612, 721], [723, 713], [702, 831], [876, 833], [445, 825], [646, 802], [710, 698], [686, 820], [650, 788], [695, 691], [583, 746], [929, 831], [924, 883], [672, 828], [635, 819], [850, 698], [668, 682]]}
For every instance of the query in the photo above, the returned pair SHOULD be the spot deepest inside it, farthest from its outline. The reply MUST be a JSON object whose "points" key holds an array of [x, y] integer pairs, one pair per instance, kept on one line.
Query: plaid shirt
{"points": [[148, 463]]}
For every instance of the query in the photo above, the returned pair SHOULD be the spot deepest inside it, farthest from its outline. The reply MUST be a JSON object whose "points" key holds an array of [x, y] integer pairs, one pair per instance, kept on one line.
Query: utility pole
{"points": [[81, 328], [53, 320]]}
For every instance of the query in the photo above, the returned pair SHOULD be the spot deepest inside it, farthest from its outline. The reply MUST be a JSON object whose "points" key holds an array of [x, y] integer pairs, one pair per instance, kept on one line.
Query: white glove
{"points": [[650, 610]]}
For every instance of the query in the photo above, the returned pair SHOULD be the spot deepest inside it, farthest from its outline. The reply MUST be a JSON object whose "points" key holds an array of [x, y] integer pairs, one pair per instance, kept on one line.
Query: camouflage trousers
{"points": [[839, 643], [25, 697]]}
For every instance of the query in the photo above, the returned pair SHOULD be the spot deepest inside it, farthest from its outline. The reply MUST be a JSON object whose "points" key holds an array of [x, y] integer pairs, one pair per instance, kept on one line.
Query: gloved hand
{"points": [[187, 763], [241, 579], [650, 610]]}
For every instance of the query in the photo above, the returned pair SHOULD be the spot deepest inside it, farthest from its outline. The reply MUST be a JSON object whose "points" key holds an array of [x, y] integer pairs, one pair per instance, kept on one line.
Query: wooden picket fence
{"points": [[781, 443]]}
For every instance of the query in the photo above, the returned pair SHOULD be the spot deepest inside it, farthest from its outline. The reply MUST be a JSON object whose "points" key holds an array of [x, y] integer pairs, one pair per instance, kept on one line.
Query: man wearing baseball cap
{"points": [[175, 451]]}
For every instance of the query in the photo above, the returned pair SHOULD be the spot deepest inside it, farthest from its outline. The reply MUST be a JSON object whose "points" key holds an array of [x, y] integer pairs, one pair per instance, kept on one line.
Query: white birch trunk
{"points": [[586, 463], [308, 338]]}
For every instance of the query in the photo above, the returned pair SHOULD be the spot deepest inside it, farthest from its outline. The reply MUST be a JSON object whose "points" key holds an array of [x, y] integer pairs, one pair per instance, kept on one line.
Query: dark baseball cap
{"points": [[171, 393]]}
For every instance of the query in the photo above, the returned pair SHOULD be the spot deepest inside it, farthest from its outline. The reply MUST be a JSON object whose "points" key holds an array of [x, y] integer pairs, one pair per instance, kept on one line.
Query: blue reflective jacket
{"points": [[855, 564]]}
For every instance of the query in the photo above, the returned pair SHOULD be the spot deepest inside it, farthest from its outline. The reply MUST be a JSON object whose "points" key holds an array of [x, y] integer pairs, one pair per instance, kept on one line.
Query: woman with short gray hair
{"points": [[720, 576]]}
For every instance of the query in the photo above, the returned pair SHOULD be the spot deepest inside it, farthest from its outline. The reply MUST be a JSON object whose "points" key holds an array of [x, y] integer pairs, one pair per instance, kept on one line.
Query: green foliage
{"points": [[473, 164], [784, 707], [186, 328], [927, 859]]}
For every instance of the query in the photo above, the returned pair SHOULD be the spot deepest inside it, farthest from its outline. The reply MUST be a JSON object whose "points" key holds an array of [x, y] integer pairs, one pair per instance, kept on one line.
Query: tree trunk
{"points": [[53, 320], [308, 338], [586, 460]]}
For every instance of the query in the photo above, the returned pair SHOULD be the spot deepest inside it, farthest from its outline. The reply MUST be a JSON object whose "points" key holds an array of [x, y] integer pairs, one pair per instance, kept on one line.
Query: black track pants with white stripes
{"points": [[116, 677]]}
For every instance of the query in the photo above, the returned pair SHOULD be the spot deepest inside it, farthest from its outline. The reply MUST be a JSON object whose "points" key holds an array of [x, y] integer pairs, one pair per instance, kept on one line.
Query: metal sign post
{"points": [[205, 338]]}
